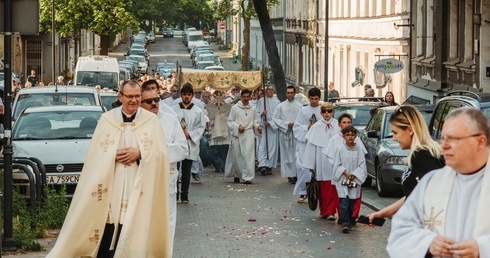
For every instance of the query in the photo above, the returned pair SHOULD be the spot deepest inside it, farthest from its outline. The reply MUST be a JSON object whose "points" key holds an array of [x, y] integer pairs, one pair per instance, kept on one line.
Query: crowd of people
{"points": [[203, 128]]}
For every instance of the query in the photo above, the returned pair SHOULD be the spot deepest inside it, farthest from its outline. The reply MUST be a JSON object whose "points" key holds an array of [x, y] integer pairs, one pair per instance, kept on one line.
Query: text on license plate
{"points": [[62, 179]]}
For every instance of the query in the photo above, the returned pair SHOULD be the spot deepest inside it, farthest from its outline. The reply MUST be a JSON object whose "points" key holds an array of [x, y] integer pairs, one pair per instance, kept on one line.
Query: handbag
{"points": [[312, 192]]}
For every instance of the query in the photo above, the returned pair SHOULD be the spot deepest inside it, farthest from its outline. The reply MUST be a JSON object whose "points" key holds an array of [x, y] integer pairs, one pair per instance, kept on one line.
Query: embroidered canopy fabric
{"points": [[221, 80]]}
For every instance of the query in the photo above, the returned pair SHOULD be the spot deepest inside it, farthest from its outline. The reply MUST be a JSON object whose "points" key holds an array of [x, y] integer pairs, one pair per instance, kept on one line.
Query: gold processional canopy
{"points": [[221, 80]]}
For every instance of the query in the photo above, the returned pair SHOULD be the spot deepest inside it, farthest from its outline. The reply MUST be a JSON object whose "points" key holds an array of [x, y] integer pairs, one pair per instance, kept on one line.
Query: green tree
{"points": [[245, 9], [104, 17]]}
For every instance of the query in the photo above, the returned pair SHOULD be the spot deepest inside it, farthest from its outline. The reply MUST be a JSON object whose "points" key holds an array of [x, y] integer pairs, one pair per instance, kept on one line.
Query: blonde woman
{"points": [[410, 131]]}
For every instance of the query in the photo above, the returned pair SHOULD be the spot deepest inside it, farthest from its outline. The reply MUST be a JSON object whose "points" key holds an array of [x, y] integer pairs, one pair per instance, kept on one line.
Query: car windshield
{"points": [[61, 125], [136, 52], [104, 79], [52, 99], [109, 101], [204, 65], [210, 58], [360, 114], [136, 58], [195, 37]]}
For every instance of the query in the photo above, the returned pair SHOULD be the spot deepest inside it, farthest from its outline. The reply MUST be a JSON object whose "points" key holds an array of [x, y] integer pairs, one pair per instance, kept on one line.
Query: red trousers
{"points": [[329, 203]]}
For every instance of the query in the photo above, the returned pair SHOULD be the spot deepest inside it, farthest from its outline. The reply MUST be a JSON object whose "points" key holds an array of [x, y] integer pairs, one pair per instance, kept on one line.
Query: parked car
{"points": [[142, 63], [15, 79], [168, 33], [457, 99], [59, 136], [211, 57], [385, 160], [165, 69], [151, 37], [203, 64], [359, 110], [109, 98], [54, 96], [214, 67], [177, 31]]}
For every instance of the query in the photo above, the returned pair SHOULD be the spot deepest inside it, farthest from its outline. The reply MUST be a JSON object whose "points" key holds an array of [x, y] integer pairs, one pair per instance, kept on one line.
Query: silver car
{"points": [[59, 136], [385, 160], [53, 96]]}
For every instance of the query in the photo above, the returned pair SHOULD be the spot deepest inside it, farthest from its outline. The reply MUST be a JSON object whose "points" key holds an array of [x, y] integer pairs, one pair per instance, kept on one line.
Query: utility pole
{"points": [[8, 239], [53, 46]]}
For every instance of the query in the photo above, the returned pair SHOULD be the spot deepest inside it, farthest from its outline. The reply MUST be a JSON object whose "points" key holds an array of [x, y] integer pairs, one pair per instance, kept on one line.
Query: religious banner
{"points": [[221, 80]]}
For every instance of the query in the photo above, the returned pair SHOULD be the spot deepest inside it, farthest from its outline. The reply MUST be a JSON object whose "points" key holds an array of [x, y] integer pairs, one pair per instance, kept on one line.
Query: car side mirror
{"points": [[373, 134]]}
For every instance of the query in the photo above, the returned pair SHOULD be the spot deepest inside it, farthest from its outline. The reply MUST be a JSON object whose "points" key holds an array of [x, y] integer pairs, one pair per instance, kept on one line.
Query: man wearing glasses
{"points": [[446, 215], [177, 149], [193, 123], [123, 187]]}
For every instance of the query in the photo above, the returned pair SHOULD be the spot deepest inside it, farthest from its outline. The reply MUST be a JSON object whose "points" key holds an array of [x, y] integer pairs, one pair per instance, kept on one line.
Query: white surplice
{"points": [[300, 129], [318, 138], [336, 140], [240, 161], [350, 159], [177, 151], [268, 147], [415, 226], [196, 123], [286, 113]]}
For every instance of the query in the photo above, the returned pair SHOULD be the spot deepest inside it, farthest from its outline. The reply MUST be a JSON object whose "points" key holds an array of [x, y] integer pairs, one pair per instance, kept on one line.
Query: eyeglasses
{"points": [[137, 96], [454, 139], [327, 110], [150, 101]]}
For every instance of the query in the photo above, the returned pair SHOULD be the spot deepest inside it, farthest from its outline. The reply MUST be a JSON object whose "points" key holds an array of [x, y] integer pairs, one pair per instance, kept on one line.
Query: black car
{"points": [[359, 110], [168, 33]]}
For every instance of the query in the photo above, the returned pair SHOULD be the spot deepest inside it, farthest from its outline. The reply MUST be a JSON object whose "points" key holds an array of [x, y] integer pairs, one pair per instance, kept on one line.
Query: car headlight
{"points": [[394, 160]]}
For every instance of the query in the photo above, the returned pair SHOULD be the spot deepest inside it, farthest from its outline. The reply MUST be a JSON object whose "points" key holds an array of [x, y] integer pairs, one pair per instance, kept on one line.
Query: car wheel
{"points": [[367, 182], [380, 188]]}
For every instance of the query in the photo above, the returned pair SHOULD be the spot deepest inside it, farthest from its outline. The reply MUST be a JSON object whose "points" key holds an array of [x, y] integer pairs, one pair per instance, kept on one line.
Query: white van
{"points": [[193, 38], [97, 70]]}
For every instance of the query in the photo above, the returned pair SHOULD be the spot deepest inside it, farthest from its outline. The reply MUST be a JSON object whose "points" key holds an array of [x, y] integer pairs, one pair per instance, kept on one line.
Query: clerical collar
{"points": [[128, 118], [188, 107], [478, 170]]}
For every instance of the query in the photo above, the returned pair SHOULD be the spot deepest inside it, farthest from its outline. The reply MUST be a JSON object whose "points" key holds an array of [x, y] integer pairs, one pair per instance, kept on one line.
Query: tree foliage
{"points": [[103, 17]]}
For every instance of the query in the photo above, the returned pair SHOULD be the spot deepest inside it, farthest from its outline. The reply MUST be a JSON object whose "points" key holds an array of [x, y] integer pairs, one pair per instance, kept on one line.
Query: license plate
{"points": [[62, 179]]}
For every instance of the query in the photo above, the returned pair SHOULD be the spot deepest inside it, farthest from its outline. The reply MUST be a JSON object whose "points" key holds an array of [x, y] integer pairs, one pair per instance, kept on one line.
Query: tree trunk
{"points": [[104, 45], [246, 43], [271, 47]]}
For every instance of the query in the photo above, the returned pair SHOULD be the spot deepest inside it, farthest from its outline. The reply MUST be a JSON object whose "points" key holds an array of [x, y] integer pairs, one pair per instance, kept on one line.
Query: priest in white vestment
{"points": [[306, 118], [318, 138], [244, 125], [177, 150], [284, 118], [268, 150], [124, 183], [447, 214]]}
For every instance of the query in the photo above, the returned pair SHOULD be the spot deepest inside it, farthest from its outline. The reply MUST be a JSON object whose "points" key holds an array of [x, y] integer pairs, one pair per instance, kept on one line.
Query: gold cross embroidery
{"points": [[96, 237], [432, 222], [105, 144], [99, 192], [147, 143]]}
